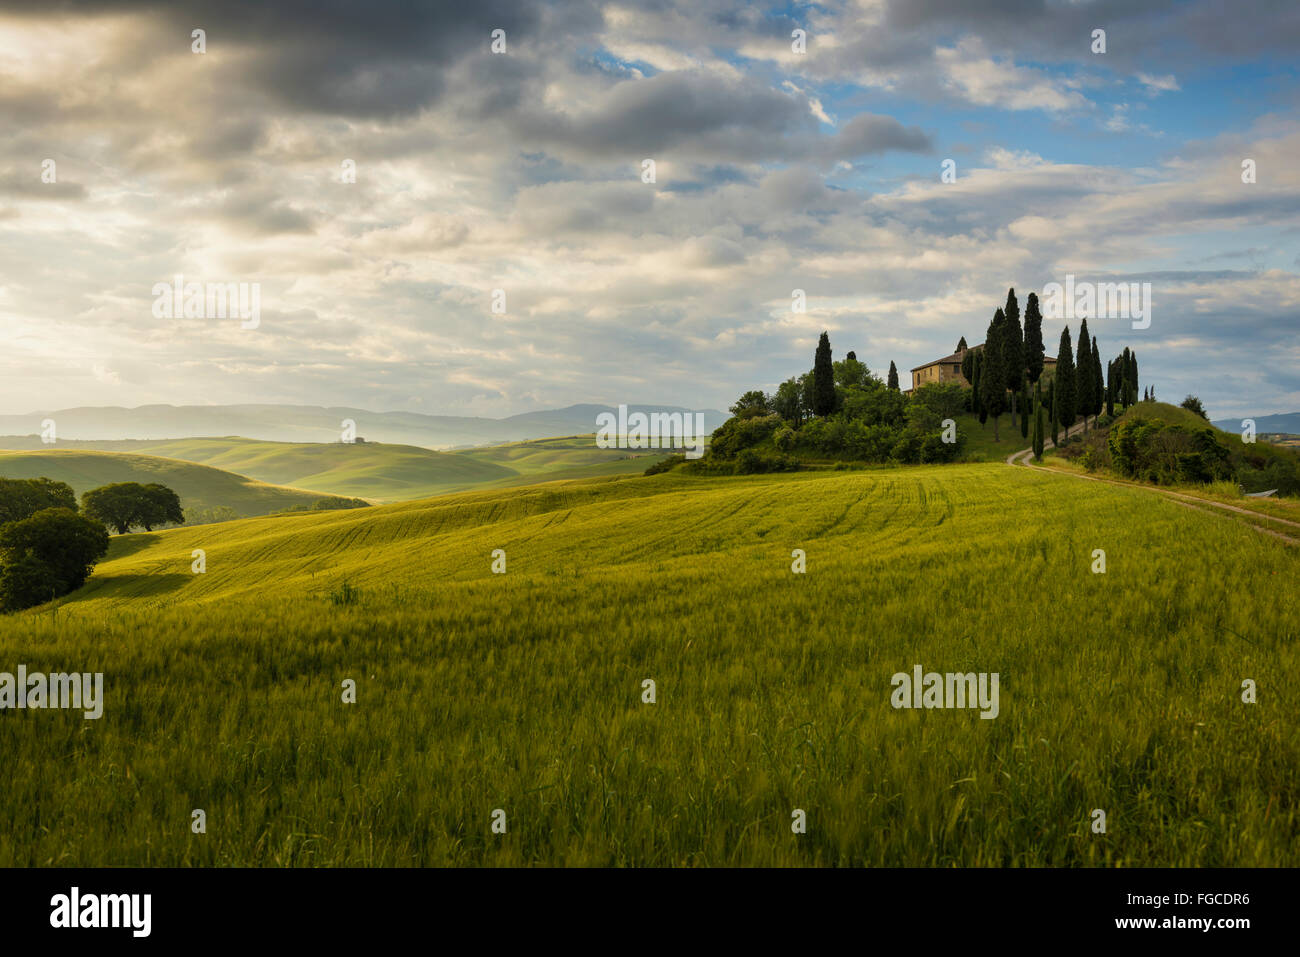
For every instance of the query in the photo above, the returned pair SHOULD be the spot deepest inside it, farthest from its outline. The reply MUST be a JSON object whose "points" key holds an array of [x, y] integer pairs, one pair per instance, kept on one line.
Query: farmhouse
{"points": [[947, 371]]}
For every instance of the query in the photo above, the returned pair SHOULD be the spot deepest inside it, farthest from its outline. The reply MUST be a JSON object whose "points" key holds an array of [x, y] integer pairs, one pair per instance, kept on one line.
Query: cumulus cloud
{"points": [[521, 172]]}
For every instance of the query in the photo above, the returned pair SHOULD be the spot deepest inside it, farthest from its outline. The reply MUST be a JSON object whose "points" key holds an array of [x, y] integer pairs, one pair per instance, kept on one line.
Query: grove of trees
{"points": [[46, 548]]}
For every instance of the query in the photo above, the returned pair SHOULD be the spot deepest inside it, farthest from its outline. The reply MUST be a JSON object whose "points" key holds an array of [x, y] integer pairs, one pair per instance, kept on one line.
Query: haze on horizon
{"points": [[521, 171]]}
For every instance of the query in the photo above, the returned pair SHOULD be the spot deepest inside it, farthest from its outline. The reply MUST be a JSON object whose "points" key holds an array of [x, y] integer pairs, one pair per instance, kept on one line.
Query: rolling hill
{"points": [[316, 424], [524, 691], [378, 471], [1288, 422], [199, 486]]}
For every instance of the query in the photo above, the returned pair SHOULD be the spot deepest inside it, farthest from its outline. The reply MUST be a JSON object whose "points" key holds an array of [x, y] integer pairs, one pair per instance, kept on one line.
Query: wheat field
{"points": [[522, 692]]}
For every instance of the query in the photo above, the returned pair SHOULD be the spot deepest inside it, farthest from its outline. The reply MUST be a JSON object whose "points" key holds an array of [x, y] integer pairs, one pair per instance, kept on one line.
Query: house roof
{"points": [[956, 357]]}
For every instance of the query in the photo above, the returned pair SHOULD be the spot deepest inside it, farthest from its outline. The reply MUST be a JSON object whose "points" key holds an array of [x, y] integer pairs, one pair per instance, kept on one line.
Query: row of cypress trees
{"points": [[1012, 360]]}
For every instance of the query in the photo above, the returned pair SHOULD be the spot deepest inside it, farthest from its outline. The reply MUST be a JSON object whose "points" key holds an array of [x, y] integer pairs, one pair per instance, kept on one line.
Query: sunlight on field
{"points": [[522, 691]]}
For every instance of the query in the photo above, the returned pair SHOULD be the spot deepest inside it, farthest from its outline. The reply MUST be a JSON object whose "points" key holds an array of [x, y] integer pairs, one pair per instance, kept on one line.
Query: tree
{"points": [[968, 367], [1055, 416], [47, 555], [1193, 404], [1013, 350], [852, 355], [961, 345], [23, 498], [1110, 388], [787, 401], [752, 403], [823, 378], [993, 376], [1098, 382], [124, 504], [850, 374], [1024, 410], [976, 405], [893, 376], [1033, 339], [1038, 421], [1133, 373], [1066, 409], [1083, 375], [160, 506]]}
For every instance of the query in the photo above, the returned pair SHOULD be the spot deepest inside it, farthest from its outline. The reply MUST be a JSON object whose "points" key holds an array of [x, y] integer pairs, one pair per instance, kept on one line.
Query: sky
{"points": [[127, 158]]}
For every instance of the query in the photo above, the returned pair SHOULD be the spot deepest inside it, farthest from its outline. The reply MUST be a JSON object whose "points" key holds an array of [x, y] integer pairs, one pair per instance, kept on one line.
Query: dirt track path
{"points": [[1189, 501]]}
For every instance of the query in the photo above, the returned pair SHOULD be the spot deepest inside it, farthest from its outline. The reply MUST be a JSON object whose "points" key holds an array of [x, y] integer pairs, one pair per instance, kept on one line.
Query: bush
{"points": [[665, 465], [49, 554], [753, 462], [331, 502], [736, 434], [28, 582]]}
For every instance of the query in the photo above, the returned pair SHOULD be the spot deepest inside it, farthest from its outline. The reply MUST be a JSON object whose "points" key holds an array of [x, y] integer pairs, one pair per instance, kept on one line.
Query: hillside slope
{"points": [[378, 471], [315, 424], [199, 486], [523, 691]]}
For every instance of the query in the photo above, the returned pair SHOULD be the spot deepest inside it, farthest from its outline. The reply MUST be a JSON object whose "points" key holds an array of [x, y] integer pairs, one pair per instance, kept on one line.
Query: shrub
{"points": [[664, 465], [49, 554], [753, 462], [736, 434]]}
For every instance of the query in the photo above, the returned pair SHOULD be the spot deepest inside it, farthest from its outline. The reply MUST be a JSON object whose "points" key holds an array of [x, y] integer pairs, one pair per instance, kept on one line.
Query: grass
{"points": [[980, 446], [522, 691], [197, 485]]}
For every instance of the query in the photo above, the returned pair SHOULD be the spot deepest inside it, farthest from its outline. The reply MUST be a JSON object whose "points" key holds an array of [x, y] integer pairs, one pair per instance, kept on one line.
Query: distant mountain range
{"points": [[1282, 422], [307, 423]]}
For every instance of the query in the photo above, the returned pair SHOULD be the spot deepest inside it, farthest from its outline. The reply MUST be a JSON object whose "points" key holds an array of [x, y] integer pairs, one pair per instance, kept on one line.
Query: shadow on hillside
{"points": [[119, 546], [128, 586]]}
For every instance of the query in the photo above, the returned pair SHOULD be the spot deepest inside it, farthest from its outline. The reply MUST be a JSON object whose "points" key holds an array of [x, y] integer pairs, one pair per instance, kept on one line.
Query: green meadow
{"points": [[523, 691], [379, 472], [199, 486]]}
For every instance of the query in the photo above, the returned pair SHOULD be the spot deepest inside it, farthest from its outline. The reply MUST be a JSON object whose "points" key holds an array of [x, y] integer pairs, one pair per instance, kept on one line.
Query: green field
{"points": [[522, 691], [382, 472], [197, 485]]}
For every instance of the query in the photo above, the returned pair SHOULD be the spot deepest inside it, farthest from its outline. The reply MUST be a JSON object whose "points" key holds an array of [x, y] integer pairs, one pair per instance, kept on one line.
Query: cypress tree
{"points": [[1013, 350], [975, 404], [968, 367], [893, 376], [1054, 416], [961, 345], [1024, 410], [823, 378], [1033, 339], [1098, 382], [1110, 389], [1038, 421], [1066, 410], [993, 374], [1083, 375]]}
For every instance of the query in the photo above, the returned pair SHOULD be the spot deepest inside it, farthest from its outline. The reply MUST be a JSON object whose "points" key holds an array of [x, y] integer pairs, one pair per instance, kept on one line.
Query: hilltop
{"points": [[380, 472], [200, 487], [316, 424]]}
